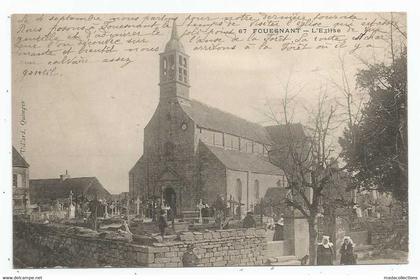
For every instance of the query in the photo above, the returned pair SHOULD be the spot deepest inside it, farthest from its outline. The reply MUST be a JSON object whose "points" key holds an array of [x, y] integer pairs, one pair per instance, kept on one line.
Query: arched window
{"points": [[180, 76], [257, 189], [171, 67], [238, 189], [185, 76], [165, 64], [164, 67]]}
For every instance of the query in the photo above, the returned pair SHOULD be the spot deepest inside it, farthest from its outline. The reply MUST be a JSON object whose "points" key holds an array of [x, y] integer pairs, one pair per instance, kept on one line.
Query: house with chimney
{"points": [[47, 192]]}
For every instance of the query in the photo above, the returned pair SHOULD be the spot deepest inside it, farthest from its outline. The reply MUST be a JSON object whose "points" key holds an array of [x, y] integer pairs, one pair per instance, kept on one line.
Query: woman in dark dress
{"points": [[346, 251], [325, 252], [279, 229]]}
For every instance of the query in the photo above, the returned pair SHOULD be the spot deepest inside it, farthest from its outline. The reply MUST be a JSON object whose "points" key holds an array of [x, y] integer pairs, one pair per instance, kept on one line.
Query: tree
{"points": [[375, 148], [305, 154], [337, 201]]}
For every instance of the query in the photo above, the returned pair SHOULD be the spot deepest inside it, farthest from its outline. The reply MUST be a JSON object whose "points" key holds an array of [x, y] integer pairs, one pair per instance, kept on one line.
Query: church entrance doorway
{"points": [[170, 198]]}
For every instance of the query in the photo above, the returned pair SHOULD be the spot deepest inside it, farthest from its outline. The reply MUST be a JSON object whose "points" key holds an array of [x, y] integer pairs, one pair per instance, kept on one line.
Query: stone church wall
{"points": [[165, 128], [265, 182], [137, 179], [53, 245], [212, 178]]}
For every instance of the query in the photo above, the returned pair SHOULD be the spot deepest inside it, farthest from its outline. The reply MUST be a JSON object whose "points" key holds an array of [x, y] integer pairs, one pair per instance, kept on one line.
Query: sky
{"points": [[90, 122]]}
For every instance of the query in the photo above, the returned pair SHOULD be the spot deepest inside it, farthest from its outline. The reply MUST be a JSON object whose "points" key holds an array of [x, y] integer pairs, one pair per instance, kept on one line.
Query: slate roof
{"points": [[137, 165], [45, 190], [215, 119], [18, 160], [281, 133], [241, 161]]}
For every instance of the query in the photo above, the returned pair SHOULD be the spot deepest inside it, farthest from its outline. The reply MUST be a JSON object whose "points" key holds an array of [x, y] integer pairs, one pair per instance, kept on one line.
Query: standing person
{"points": [[219, 211], [325, 252], [162, 223], [205, 212], [249, 221], [171, 217], [346, 251], [270, 223], [279, 229]]}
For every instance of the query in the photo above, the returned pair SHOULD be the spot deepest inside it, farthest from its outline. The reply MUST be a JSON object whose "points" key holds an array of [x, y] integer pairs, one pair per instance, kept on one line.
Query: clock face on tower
{"points": [[184, 126]]}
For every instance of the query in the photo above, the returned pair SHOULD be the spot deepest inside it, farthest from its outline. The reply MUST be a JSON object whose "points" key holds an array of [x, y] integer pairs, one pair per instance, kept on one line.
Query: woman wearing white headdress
{"points": [[325, 252], [346, 251]]}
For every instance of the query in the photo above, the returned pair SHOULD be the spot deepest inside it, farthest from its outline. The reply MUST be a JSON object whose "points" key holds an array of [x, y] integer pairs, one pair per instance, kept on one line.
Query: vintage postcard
{"points": [[184, 140]]}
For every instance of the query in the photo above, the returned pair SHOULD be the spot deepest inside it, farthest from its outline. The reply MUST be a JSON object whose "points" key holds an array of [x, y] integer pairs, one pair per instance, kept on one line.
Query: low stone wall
{"points": [[386, 234], [359, 237], [50, 245], [55, 246], [231, 247]]}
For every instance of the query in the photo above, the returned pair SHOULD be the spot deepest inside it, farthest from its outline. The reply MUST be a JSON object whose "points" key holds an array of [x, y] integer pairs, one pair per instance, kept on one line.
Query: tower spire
{"points": [[174, 69], [174, 43], [174, 34]]}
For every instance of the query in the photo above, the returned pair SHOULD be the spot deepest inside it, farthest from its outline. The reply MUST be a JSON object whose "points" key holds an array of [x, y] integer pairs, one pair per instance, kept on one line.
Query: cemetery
{"points": [[125, 235]]}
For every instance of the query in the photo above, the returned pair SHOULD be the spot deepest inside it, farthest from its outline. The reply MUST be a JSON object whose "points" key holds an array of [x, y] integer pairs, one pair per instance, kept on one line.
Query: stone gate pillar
{"points": [[296, 233]]}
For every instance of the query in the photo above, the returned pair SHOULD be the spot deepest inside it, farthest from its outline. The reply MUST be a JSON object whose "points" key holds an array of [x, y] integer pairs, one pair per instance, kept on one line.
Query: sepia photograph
{"points": [[167, 140]]}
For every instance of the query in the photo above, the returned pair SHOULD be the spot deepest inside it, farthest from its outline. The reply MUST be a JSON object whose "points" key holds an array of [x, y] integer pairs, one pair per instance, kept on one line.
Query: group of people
{"points": [[276, 224], [326, 252]]}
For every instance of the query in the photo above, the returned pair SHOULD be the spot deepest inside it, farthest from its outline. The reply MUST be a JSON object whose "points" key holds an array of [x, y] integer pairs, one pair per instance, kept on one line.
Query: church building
{"points": [[195, 152]]}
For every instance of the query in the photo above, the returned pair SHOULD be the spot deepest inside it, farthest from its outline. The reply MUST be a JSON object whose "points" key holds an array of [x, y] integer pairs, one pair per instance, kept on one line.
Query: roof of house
{"points": [[215, 119], [18, 160], [242, 161], [282, 133], [120, 196], [56, 188]]}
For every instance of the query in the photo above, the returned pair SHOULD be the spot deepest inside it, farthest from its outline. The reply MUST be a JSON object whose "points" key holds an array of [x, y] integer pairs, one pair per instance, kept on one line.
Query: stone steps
{"points": [[277, 248], [190, 216], [283, 260]]}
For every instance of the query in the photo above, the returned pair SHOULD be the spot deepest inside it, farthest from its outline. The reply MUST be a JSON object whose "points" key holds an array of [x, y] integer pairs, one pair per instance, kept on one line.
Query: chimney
{"points": [[65, 176]]}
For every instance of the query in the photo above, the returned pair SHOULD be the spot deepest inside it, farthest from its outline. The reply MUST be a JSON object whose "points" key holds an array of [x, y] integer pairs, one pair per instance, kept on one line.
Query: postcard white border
{"points": [[122, 6]]}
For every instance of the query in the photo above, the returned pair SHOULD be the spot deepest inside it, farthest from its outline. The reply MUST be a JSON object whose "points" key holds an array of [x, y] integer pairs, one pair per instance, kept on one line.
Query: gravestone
{"points": [[72, 211]]}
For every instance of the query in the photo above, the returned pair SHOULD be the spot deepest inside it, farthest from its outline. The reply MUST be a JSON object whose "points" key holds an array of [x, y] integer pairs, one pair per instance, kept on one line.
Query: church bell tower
{"points": [[174, 69]]}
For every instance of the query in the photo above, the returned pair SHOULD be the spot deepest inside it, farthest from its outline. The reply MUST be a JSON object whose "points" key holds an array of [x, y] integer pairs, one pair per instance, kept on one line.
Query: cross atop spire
{"points": [[174, 43]]}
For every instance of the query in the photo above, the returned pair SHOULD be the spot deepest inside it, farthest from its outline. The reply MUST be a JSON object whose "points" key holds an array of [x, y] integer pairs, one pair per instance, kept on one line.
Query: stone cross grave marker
{"points": [[72, 209], [106, 209], [200, 206], [71, 197], [112, 209], [138, 206]]}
